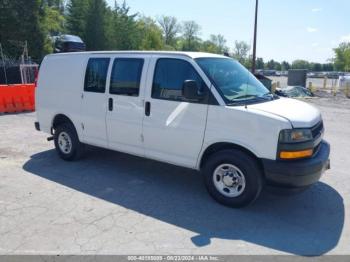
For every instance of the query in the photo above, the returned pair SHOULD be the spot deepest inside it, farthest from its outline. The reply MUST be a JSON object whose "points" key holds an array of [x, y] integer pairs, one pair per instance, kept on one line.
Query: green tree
{"points": [[219, 42], [151, 34], [52, 23], [170, 28], [248, 62], [123, 31], [210, 47], [270, 64], [285, 66], [316, 67], [300, 64], [342, 57], [328, 67], [20, 21], [96, 25], [77, 11], [278, 66], [190, 35], [240, 51], [273, 65], [260, 63], [216, 44], [57, 4]]}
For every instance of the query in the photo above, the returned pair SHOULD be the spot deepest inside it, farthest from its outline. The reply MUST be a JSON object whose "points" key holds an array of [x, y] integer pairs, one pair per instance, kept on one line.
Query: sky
{"points": [[287, 29]]}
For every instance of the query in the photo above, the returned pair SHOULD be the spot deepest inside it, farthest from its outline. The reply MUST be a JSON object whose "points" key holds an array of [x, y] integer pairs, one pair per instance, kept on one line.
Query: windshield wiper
{"points": [[244, 96], [250, 98]]}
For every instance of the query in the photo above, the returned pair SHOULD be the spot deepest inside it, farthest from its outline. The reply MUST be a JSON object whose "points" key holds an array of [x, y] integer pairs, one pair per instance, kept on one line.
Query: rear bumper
{"points": [[298, 173]]}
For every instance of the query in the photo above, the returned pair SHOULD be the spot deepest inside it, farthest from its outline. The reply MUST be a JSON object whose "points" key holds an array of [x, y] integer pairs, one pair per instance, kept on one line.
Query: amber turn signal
{"points": [[296, 154]]}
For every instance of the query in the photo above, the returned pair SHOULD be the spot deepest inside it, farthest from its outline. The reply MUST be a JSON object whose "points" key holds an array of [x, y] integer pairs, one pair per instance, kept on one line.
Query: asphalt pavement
{"points": [[113, 203]]}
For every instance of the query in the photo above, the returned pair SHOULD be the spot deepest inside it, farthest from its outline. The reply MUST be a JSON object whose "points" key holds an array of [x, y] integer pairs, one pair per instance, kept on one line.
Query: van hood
{"points": [[300, 114]]}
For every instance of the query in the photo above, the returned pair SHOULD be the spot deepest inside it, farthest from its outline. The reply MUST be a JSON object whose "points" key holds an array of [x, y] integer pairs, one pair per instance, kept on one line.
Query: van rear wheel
{"points": [[67, 143], [233, 178]]}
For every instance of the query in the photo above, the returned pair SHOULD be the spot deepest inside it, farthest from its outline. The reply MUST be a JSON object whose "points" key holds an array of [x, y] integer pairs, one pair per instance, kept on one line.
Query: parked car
{"points": [[311, 75], [196, 110], [278, 73], [269, 73], [294, 91]]}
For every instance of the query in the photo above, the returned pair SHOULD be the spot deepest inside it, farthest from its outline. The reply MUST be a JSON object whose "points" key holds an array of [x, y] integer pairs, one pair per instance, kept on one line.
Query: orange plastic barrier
{"points": [[17, 98]]}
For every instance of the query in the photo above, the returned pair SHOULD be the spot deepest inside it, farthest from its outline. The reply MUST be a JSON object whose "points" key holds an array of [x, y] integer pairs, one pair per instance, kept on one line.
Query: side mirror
{"points": [[191, 91]]}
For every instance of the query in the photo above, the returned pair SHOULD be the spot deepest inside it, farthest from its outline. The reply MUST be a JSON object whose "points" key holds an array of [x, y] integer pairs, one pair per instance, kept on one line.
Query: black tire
{"points": [[249, 168], [76, 149]]}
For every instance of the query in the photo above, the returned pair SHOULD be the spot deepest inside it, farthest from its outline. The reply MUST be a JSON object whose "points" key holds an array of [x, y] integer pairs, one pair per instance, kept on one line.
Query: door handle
{"points": [[148, 108], [110, 104]]}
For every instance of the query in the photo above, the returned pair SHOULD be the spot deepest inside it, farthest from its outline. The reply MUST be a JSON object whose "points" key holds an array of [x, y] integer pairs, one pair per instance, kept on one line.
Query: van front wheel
{"points": [[67, 143], [233, 178]]}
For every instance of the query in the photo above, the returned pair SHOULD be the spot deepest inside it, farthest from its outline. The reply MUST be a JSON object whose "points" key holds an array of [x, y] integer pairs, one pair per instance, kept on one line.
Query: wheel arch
{"points": [[60, 119], [219, 146]]}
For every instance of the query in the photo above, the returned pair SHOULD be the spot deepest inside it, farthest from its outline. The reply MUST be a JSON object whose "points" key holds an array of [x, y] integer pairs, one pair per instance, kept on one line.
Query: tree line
{"points": [[104, 27], [101, 27], [297, 64]]}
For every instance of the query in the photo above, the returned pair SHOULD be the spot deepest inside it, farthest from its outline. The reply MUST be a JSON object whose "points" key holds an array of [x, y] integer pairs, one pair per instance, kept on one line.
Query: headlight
{"points": [[295, 135]]}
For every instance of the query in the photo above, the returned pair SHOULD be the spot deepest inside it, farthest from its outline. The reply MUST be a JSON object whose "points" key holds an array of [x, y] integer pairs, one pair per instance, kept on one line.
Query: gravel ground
{"points": [[112, 203]]}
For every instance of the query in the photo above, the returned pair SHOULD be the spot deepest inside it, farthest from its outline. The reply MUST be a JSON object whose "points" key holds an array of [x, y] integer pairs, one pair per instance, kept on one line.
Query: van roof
{"points": [[187, 54]]}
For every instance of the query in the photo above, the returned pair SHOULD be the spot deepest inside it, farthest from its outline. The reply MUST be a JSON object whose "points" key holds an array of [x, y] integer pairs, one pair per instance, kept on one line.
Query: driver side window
{"points": [[169, 76]]}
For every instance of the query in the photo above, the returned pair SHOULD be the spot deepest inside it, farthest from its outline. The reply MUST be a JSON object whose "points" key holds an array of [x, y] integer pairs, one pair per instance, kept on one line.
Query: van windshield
{"points": [[233, 81]]}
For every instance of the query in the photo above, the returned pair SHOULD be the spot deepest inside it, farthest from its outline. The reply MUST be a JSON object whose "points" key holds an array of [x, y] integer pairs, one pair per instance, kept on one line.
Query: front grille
{"points": [[317, 129], [317, 132]]}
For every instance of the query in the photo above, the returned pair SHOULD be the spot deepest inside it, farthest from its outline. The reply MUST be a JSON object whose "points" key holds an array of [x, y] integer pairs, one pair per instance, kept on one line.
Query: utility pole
{"points": [[255, 36]]}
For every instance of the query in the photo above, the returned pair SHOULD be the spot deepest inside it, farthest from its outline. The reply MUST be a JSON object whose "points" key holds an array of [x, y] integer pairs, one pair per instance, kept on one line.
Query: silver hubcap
{"points": [[64, 142], [229, 180]]}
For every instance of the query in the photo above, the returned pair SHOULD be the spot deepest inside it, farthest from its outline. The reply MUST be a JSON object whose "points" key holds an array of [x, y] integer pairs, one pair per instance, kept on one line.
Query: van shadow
{"points": [[309, 223]]}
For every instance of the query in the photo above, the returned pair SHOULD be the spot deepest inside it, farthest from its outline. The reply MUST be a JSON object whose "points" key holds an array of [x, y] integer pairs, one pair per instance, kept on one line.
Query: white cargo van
{"points": [[197, 110]]}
